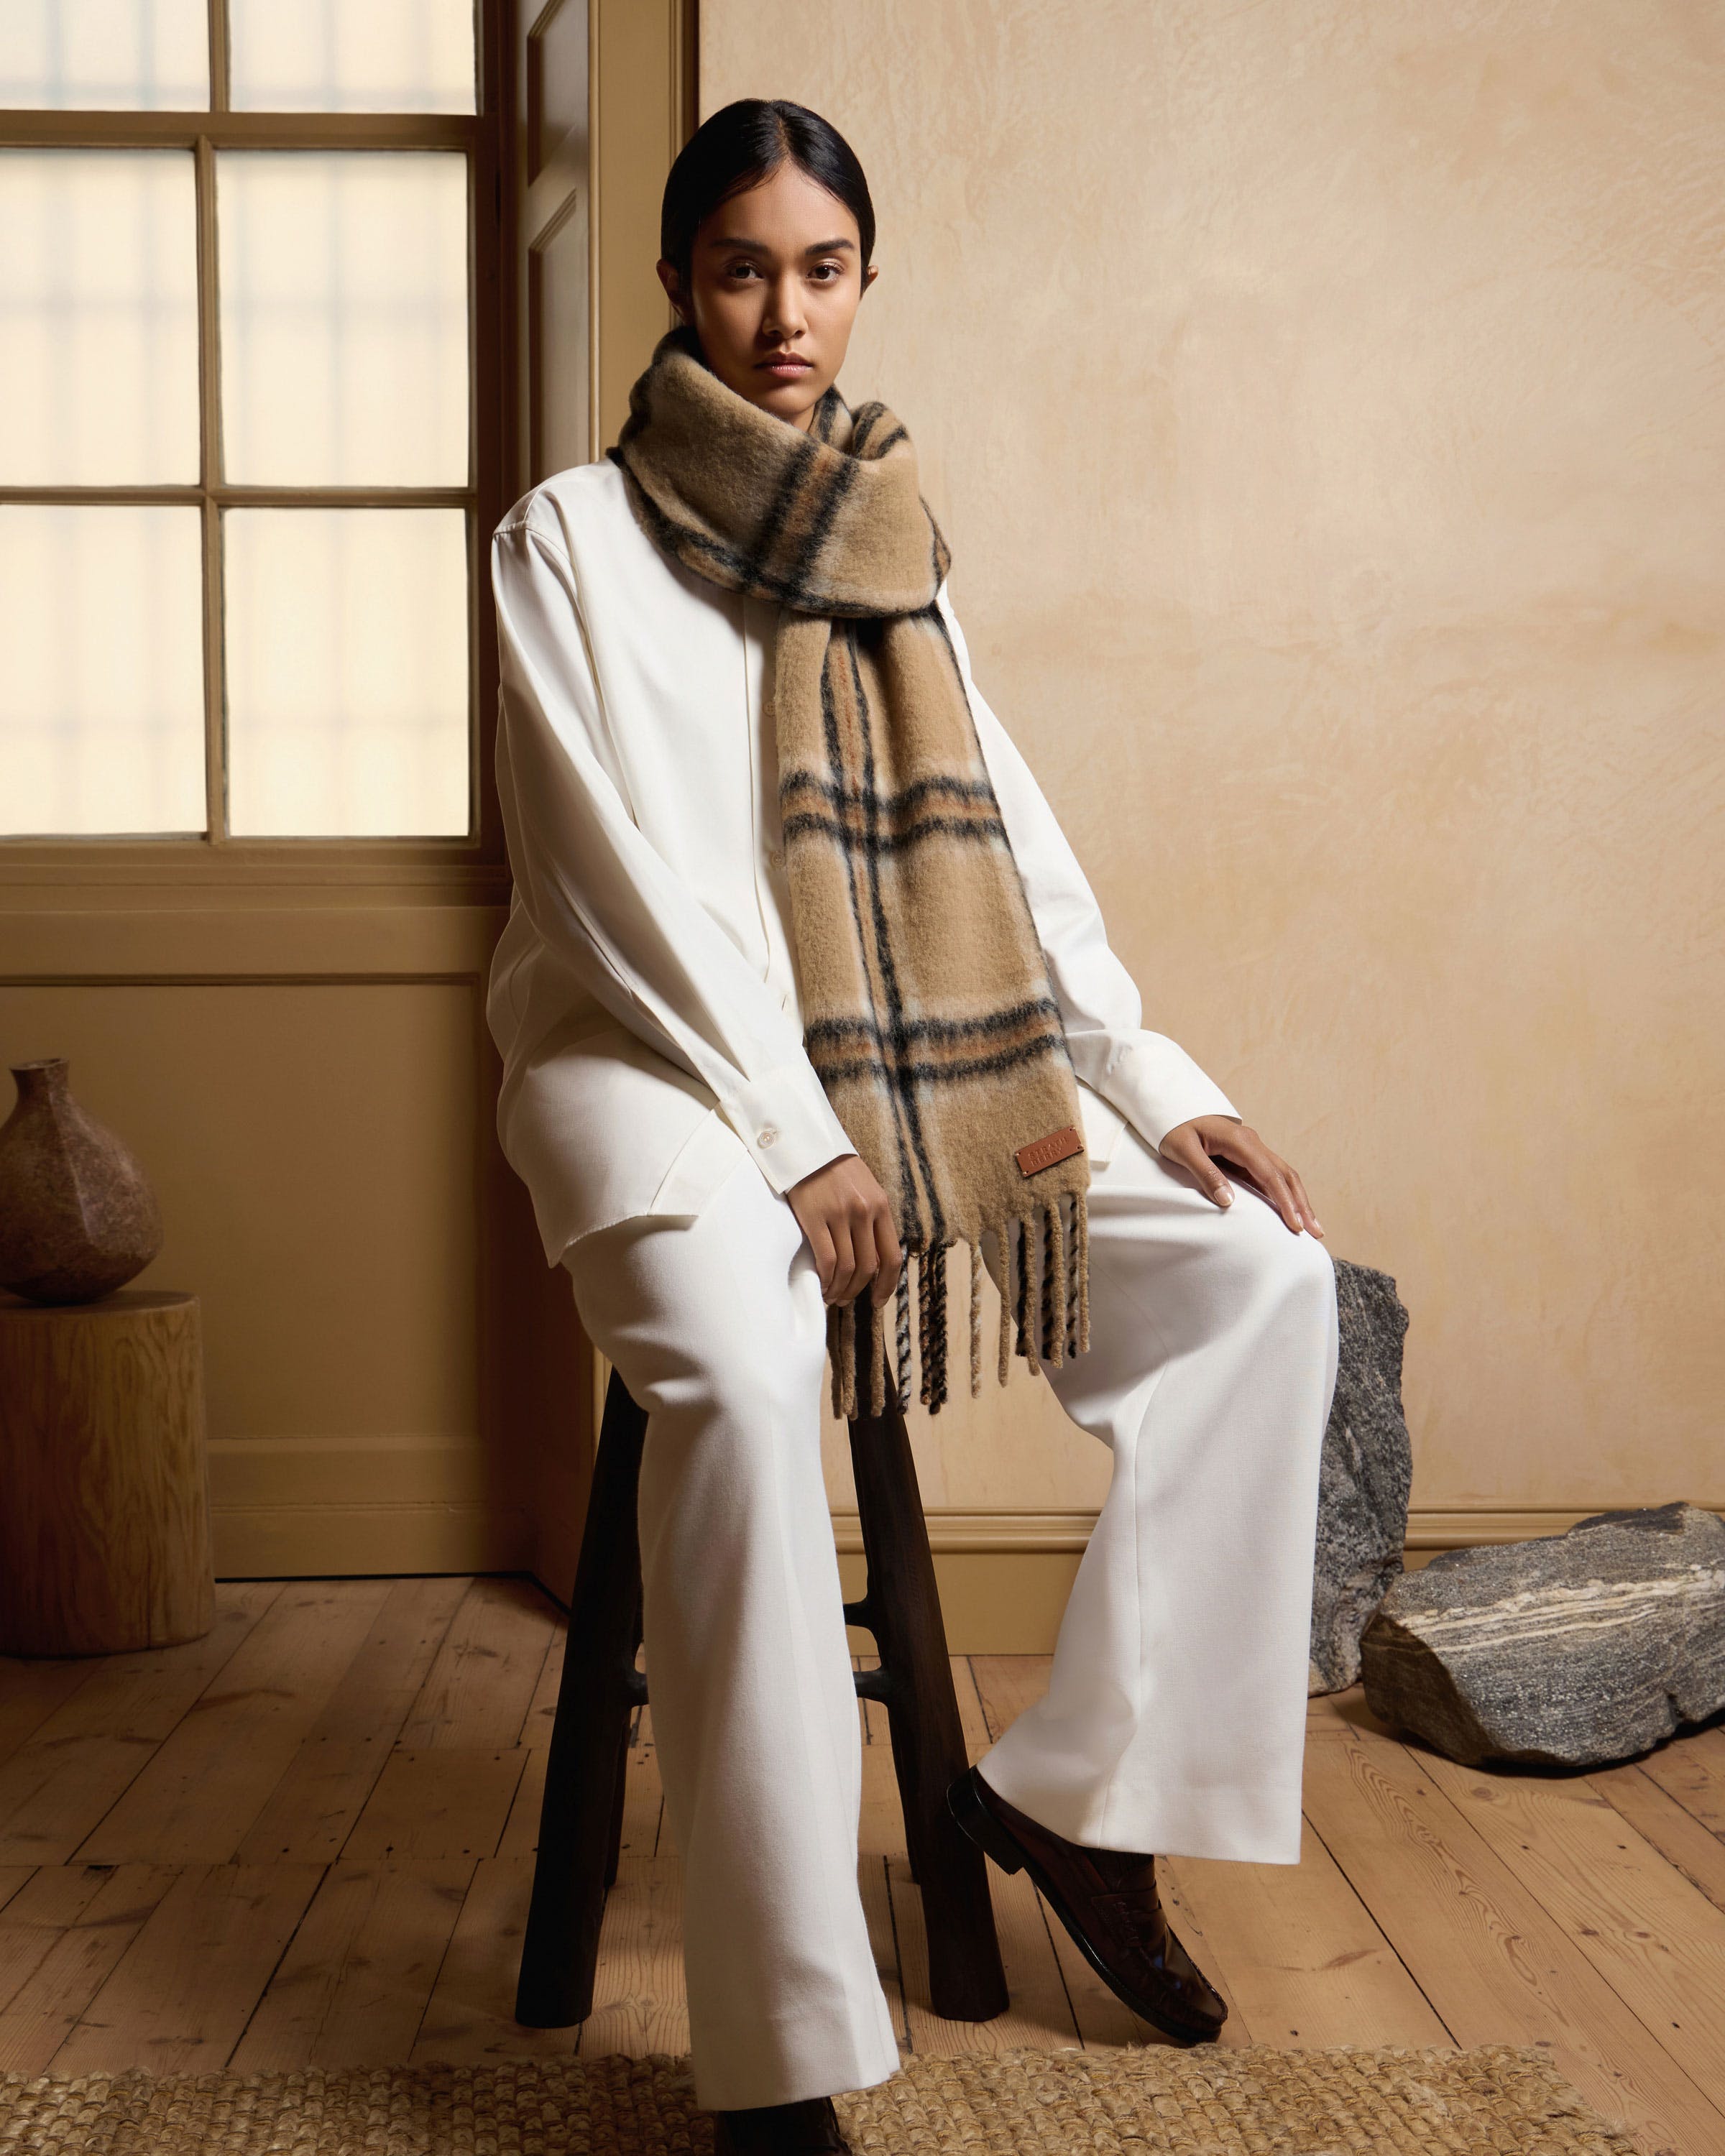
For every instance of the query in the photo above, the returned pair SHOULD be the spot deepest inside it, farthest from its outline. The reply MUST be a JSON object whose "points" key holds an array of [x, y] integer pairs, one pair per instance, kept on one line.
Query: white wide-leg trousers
{"points": [[1174, 1718]]}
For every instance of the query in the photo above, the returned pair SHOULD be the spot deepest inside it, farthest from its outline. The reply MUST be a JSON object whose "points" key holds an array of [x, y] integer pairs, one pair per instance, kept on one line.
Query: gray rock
{"points": [[1563, 1652], [1364, 1479]]}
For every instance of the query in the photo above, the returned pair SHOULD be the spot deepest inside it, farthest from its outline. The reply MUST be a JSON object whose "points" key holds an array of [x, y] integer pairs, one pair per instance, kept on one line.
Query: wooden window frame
{"points": [[214, 858]]}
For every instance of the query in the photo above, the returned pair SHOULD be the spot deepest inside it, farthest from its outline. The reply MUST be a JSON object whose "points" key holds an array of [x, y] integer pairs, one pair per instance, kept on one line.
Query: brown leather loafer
{"points": [[1107, 1900], [808, 2128]]}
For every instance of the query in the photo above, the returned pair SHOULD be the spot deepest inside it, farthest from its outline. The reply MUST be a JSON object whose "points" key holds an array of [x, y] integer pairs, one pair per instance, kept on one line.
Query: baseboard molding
{"points": [[328, 1507], [993, 1602], [1005, 1575], [1467, 1527], [998, 1533], [341, 1541], [334, 1507], [1006, 1531]]}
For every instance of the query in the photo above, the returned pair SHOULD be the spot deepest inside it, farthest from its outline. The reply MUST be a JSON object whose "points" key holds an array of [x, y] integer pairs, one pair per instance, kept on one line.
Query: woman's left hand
{"points": [[1198, 1144]]}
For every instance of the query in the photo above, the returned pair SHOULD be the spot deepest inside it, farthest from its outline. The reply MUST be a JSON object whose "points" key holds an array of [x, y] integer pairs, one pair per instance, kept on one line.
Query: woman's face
{"points": [[774, 286]]}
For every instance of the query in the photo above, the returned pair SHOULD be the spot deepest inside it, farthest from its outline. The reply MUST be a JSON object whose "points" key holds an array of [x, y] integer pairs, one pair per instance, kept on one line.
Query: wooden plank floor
{"points": [[308, 1839]]}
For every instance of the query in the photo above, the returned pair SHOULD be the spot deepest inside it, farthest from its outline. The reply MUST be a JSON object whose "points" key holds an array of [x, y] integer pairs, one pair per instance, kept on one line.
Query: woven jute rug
{"points": [[1495, 2102]]}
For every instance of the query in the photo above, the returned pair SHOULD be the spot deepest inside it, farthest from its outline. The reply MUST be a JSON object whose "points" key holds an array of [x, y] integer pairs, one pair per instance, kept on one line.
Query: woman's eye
{"points": [[826, 271]]}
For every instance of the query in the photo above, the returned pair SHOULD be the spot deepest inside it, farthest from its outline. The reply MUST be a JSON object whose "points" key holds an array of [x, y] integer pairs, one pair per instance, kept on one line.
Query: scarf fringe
{"points": [[1044, 1313]]}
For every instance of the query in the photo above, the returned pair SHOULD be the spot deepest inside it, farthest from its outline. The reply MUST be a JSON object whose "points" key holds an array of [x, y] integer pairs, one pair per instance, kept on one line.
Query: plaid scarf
{"points": [[927, 1010]]}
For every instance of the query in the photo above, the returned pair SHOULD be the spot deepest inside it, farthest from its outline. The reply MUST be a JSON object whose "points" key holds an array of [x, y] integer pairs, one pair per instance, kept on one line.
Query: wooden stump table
{"points": [[104, 1513]]}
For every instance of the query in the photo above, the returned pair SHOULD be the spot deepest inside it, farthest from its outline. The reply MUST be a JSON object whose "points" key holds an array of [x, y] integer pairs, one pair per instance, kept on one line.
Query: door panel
{"points": [[556, 214], [607, 91]]}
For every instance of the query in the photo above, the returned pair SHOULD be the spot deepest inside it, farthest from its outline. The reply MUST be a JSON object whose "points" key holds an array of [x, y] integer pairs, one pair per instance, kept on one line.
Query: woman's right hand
{"points": [[843, 1213]]}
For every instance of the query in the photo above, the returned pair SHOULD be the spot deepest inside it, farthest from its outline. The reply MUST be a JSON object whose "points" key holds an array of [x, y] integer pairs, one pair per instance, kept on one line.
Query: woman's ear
{"points": [[673, 284]]}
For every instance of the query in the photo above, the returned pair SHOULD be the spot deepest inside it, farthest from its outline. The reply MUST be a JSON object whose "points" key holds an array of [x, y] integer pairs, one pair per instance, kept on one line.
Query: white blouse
{"points": [[643, 994]]}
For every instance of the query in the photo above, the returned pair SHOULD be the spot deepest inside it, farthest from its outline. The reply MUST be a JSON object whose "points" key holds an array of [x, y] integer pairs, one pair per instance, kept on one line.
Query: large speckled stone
{"points": [[1563, 1652], [1365, 1476]]}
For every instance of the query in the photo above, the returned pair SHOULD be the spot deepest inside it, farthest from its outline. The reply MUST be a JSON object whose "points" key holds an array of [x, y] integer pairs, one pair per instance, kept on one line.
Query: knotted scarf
{"points": [[927, 1010]]}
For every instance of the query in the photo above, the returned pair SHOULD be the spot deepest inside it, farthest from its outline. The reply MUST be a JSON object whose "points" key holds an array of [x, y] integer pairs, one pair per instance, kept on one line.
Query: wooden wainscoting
{"points": [[389, 1364]]}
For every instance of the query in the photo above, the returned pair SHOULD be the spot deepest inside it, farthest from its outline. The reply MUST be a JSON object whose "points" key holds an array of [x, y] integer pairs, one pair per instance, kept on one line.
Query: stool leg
{"points": [[901, 1607], [581, 1813], [616, 1844]]}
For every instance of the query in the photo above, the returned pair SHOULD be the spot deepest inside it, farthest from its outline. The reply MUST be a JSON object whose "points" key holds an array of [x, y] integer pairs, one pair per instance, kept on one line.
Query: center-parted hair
{"points": [[744, 144]]}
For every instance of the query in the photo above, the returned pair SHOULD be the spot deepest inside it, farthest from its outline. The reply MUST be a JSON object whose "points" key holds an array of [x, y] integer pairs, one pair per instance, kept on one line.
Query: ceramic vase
{"points": [[78, 1218]]}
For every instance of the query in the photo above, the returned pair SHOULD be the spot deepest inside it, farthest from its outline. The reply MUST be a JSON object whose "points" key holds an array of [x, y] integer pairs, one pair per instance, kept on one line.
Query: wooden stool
{"points": [[581, 1821], [105, 1530]]}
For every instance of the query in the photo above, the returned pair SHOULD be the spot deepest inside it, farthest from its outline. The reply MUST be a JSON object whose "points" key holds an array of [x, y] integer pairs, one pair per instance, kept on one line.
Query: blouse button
{"points": [[767, 1134]]}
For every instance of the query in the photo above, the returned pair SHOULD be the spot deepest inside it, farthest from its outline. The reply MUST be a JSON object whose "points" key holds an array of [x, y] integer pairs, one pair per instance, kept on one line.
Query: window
{"points": [[241, 247]]}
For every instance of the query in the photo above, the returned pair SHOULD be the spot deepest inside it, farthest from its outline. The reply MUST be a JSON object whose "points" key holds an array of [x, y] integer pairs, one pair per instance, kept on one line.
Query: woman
{"points": [[856, 1006]]}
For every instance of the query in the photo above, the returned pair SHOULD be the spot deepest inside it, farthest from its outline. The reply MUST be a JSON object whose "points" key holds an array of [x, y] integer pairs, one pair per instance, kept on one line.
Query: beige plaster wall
{"points": [[1324, 402]]}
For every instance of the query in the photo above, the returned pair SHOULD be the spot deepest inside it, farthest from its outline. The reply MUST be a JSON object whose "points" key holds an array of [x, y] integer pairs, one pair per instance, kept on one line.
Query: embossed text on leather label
{"points": [[1043, 1152]]}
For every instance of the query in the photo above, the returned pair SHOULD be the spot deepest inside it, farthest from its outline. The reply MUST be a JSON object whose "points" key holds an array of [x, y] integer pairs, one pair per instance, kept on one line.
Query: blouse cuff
{"points": [[788, 1123], [1156, 1085]]}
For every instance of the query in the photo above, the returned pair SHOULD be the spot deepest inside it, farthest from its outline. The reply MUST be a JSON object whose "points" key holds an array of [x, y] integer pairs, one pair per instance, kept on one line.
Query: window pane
{"points": [[98, 317], [344, 316], [101, 693], [347, 672], [110, 55], [332, 56]]}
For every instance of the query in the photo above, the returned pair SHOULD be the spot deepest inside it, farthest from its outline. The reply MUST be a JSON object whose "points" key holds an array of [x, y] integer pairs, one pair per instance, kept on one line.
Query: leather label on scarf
{"points": [[1057, 1145]]}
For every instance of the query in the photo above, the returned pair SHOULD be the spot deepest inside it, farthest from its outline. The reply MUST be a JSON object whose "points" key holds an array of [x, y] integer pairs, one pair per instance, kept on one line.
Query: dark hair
{"points": [[744, 144]]}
